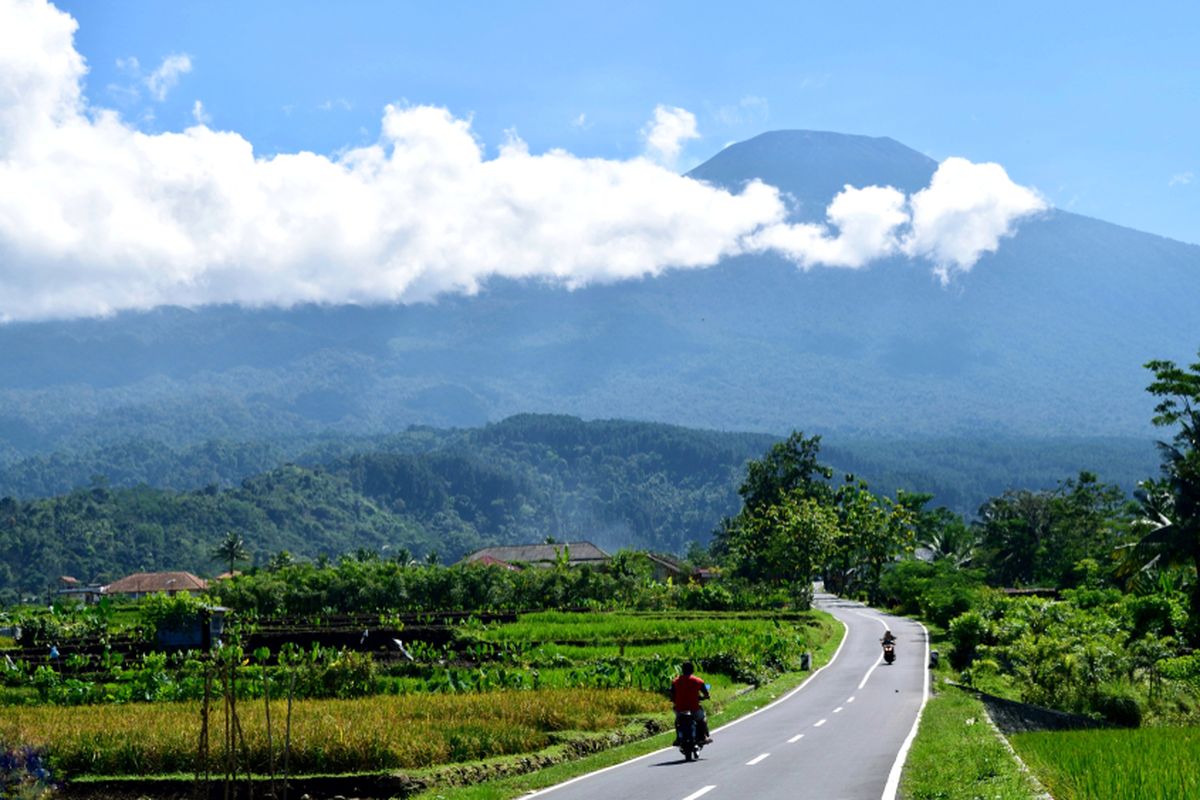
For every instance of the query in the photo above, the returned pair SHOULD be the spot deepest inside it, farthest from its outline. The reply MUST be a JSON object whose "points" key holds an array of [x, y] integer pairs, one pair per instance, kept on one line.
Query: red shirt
{"points": [[686, 691]]}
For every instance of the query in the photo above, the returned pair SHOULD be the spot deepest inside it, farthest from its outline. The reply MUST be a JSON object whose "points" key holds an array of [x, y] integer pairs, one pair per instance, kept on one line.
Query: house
{"points": [[491, 561], [542, 555], [141, 584], [665, 567], [71, 589]]}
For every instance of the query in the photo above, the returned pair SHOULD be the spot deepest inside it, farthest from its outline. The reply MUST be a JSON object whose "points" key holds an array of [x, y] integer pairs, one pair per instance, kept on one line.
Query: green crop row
{"points": [[1157, 763]]}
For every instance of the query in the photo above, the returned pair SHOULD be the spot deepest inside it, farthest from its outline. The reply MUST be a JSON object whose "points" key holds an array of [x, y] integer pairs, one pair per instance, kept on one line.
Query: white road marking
{"points": [[612, 767], [819, 724], [838, 709], [893, 781], [867, 677], [756, 759], [700, 793], [796, 738], [850, 700]]}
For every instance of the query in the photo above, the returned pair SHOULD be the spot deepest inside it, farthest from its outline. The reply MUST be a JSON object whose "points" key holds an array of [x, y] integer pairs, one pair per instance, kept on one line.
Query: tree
{"points": [[280, 560], [789, 466], [232, 549], [1170, 523], [872, 531], [789, 469], [784, 543]]}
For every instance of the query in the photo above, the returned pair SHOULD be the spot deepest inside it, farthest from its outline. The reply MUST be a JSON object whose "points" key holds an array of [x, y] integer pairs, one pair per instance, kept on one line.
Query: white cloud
{"points": [[164, 79], [580, 122], [667, 132], [97, 216], [964, 212], [866, 221], [340, 103], [201, 116], [1181, 179]]}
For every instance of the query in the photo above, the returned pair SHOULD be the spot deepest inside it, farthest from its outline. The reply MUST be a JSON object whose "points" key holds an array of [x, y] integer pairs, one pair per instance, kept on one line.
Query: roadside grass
{"points": [[1138, 764], [827, 637], [957, 755]]}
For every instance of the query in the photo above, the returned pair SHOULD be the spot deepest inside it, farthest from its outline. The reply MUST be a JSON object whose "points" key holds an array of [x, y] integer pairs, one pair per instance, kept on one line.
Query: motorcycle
{"points": [[889, 652], [687, 735]]}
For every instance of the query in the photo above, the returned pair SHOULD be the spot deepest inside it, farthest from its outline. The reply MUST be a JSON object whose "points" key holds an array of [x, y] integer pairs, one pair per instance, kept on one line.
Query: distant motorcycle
{"points": [[687, 735], [889, 652]]}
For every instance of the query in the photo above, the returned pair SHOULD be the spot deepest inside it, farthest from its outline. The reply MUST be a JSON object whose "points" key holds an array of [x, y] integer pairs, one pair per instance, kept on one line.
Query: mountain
{"points": [[1046, 337]]}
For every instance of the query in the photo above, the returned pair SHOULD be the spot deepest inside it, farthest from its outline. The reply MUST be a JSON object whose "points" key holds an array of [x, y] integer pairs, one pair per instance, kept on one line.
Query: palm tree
{"points": [[1171, 506], [232, 549]]}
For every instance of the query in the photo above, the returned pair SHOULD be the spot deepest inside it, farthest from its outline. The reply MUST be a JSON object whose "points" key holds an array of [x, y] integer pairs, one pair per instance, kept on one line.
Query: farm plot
{"points": [[490, 689]]}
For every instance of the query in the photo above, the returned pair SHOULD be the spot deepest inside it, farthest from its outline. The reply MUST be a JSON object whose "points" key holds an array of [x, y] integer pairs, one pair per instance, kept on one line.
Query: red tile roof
{"points": [[150, 582]]}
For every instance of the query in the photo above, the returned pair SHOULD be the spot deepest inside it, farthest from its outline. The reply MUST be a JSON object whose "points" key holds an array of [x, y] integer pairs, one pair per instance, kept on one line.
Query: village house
{"points": [[141, 584], [541, 555]]}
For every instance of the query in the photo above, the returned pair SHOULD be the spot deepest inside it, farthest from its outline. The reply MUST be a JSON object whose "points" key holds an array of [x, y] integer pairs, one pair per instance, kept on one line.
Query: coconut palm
{"points": [[232, 549]]}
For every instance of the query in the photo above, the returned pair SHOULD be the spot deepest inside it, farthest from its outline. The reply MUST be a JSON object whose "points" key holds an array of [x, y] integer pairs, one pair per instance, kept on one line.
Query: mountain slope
{"points": [[1045, 337]]}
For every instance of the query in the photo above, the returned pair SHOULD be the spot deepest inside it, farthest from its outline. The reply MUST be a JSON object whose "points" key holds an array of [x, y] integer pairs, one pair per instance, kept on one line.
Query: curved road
{"points": [[842, 735]]}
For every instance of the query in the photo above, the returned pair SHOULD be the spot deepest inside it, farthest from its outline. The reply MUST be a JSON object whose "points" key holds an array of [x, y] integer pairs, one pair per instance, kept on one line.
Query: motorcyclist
{"points": [[888, 637], [686, 693]]}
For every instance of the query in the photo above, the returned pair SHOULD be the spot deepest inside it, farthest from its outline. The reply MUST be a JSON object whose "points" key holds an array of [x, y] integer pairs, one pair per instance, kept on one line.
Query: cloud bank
{"points": [[97, 216]]}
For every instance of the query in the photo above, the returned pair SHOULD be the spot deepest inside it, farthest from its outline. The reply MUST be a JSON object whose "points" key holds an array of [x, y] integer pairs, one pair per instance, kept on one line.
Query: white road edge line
{"points": [[893, 781], [819, 724], [850, 699], [756, 759], [788, 696], [693, 795], [796, 738], [838, 710]]}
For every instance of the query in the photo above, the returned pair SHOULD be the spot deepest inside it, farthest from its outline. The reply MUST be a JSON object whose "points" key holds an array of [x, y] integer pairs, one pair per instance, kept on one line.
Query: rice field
{"points": [[497, 690], [1141, 764], [327, 735]]}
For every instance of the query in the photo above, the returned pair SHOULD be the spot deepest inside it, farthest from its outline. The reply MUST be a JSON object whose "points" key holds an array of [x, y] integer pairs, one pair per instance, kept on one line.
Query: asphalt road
{"points": [[842, 735]]}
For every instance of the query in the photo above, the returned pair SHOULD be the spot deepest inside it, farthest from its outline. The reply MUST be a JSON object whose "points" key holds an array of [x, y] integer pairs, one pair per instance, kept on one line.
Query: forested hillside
{"points": [[618, 484], [100, 513]]}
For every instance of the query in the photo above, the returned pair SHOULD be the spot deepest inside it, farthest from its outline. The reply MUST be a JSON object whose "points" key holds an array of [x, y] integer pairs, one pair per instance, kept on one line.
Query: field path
{"points": [[842, 735]]}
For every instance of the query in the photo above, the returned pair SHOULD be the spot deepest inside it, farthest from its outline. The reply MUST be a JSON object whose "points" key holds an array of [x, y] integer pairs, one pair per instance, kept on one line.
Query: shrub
{"points": [[1117, 704], [967, 633]]}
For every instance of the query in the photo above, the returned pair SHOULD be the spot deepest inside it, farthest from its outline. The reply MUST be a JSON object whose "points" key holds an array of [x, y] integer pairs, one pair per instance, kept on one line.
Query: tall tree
{"points": [[789, 466], [232, 549], [788, 470], [1171, 505], [783, 544], [872, 531]]}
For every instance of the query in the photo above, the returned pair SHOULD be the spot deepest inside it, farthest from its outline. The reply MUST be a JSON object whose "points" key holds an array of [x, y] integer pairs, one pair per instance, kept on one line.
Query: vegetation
{"points": [[494, 689], [404, 732], [1074, 597], [1115, 765], [959, 756], [638, 484]]}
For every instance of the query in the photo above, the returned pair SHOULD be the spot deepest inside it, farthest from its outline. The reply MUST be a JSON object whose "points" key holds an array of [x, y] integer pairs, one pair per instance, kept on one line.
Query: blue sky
{"points": [[1096, 105]]}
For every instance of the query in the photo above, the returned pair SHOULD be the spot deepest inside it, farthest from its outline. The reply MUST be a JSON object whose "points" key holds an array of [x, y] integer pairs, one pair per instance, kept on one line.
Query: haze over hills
{"points": [[1045, 337]]}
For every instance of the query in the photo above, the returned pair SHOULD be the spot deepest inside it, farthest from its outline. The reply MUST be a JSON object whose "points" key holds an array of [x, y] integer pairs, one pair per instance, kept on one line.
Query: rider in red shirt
{"points": [[686, 693]]}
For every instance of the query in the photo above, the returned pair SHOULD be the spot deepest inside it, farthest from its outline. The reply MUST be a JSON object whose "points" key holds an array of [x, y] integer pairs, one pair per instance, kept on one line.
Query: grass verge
{"points": [[958, 755]]}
